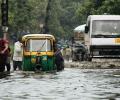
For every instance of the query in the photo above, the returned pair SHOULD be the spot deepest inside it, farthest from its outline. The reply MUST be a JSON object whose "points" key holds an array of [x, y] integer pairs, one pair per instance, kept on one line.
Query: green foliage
{"points": [[91, 7], [27, 15], [68, 18], [63, 15], [110, 7], [54, 16], [85, 9]]}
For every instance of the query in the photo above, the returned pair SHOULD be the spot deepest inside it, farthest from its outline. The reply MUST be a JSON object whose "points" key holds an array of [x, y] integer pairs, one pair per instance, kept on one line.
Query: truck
{"points": [[103, 32], [79, 33]]}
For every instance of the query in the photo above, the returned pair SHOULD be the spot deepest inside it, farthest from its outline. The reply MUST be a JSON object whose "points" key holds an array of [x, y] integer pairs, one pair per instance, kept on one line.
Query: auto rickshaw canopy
{"points": [[37, 36]]}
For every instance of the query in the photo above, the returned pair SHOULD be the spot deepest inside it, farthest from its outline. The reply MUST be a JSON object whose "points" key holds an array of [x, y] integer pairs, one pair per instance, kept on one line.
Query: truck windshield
{"points": [[38, 45], [106, 27]]}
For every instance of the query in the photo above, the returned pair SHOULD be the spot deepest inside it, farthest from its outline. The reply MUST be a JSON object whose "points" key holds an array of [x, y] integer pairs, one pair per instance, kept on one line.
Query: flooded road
{"points": [[70, 84]]}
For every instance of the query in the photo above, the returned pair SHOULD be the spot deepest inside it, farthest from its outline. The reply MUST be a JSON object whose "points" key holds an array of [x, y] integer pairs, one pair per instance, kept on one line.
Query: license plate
{"points": [[117, 40]]}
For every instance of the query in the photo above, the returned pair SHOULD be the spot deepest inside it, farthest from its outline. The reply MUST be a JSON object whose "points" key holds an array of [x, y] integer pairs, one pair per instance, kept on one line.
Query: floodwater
{"points": [[70, 84]]}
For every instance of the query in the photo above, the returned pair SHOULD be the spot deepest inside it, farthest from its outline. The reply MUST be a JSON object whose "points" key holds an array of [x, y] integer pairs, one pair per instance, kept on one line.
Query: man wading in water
{"points": [[3, 53], [17, 55], [59, 60]]}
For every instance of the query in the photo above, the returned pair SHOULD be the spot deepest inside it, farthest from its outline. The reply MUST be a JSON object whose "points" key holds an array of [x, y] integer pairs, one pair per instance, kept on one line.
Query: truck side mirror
{"points": [[86, 29]]}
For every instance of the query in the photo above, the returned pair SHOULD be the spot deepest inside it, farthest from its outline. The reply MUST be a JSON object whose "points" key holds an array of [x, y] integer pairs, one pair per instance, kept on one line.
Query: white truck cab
{"points": [[104, 36]]}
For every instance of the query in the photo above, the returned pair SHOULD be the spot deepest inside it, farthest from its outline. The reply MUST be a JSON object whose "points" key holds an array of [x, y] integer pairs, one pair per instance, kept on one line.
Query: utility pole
{"points": [[4, 17]]}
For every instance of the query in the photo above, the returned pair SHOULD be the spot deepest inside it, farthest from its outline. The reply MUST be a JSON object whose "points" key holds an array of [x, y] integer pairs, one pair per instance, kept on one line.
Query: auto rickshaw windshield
{"points": [[38, 45]]}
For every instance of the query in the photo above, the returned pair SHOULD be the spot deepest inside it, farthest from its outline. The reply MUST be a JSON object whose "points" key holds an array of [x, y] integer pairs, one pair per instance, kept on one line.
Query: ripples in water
{"points": [[70, 84]]}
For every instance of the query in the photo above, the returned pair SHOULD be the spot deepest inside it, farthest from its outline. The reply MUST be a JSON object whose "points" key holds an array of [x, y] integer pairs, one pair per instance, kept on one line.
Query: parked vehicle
{"points": [[104, 36], [79, 52], [39, 52], [79, 34]]}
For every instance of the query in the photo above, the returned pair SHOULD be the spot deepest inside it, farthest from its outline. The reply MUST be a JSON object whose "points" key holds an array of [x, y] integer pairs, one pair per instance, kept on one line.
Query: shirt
{"points": [[2, 46], [18, 51]]}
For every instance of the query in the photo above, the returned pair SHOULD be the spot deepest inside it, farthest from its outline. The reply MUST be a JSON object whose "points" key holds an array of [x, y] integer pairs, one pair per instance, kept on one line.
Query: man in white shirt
{"points": [[18, 54]]}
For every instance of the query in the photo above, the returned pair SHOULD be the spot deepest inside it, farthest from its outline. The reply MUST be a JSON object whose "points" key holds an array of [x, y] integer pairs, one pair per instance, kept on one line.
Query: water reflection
{"points": [[70, 84]]}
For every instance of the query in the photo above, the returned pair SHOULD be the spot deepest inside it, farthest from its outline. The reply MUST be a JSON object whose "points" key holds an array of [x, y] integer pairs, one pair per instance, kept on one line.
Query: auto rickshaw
{"points": [[38, 52]]}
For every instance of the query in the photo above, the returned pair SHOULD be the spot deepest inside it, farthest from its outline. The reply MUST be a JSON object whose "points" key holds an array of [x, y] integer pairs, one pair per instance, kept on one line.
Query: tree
{"points": [[68, 19], [19, 15], [90, 7], [54, 14], [29, 14], [110, 7]]}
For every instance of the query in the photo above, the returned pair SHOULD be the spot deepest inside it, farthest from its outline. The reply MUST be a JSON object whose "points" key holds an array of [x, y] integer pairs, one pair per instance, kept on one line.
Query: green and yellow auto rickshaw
{"points": [[38, 52]]}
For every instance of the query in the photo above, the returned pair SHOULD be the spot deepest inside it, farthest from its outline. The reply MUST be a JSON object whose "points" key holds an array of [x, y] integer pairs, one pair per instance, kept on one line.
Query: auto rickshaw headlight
{"points": [[33, 60]]}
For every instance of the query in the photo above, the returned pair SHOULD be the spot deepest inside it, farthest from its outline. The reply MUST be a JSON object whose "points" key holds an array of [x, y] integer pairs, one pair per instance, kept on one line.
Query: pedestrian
{"points": [[8, 66], [63, 51], [59, 60], [68, 53], [18, 54], [3, 53]]}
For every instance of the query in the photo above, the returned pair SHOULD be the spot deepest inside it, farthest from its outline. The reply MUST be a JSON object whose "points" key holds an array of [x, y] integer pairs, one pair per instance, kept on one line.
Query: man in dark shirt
{"points": [[3, 54], [59, 60]]}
